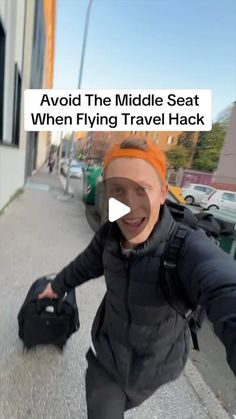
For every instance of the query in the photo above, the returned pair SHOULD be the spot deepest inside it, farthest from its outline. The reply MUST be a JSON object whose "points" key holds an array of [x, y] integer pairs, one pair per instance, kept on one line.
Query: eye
{"points": [[142, 190], [117, 190]]}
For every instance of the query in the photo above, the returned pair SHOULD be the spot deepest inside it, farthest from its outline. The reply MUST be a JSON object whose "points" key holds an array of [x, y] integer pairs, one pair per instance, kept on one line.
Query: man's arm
{"points": [[209, 277], [88, 265]]}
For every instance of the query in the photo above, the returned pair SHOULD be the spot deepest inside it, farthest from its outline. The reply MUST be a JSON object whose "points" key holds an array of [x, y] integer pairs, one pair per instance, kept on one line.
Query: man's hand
{"points": [[48, 293]]}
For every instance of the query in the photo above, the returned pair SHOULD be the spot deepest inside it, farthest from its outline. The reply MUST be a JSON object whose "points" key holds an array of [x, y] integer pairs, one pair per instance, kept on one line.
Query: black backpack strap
{"points": [[194, 339], [174, 291]]}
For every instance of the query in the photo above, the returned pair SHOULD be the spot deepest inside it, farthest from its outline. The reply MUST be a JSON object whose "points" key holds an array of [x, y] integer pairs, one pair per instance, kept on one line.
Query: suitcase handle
{"points": [[41, 306]]}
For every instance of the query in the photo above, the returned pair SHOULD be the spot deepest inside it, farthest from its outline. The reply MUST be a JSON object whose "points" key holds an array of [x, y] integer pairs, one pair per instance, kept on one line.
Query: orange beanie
{"points": [[153, 155]]}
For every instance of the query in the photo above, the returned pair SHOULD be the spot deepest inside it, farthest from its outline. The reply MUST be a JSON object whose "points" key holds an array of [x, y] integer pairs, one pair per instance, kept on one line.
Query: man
{"points": [[138, 341], [51, 161]]}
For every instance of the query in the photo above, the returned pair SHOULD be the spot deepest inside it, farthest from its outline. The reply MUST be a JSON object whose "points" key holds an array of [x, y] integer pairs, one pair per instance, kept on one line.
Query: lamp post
{"points": [[79, 86]]}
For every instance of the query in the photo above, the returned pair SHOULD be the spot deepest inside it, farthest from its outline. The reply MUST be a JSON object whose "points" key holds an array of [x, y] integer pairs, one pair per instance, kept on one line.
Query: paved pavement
{"points": [[212, 365], [40, 232]]}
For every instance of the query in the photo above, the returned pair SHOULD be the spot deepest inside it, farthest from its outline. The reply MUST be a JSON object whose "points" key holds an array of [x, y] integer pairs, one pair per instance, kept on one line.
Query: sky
{"points": [[149, 44]]}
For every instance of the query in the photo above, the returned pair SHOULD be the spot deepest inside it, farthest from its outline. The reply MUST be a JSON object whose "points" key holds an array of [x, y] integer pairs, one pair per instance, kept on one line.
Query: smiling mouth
{"points": [[133, 222]]}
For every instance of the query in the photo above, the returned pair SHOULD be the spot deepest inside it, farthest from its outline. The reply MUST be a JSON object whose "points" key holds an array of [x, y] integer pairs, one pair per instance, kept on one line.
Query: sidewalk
{"points": [[40, 232]]}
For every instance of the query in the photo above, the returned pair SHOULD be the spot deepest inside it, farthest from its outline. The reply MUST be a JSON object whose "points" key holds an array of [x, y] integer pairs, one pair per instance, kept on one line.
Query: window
{"points": [[2, 68], [169, 140], [200, 188], [16, 108], [209, 190], [228, 196]]}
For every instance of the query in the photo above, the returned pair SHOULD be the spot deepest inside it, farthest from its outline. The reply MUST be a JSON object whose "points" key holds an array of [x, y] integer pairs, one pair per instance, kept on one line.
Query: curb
{"points": [[206, 396]]}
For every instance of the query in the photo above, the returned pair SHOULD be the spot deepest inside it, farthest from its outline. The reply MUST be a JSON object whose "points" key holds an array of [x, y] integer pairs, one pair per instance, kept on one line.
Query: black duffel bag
{"points": [[47, 321]]}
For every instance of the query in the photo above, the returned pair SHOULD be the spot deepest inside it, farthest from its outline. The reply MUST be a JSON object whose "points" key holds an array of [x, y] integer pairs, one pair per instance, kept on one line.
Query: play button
{"points": [[118, 200], [117, 210]]}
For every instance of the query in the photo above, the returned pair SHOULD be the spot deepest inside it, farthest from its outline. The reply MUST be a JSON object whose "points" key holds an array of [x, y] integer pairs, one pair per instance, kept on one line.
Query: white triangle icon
{"points": [[116, 209]]}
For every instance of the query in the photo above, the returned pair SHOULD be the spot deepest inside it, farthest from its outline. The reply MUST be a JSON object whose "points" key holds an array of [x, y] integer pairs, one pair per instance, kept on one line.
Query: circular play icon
{"points": [[119, 200]]}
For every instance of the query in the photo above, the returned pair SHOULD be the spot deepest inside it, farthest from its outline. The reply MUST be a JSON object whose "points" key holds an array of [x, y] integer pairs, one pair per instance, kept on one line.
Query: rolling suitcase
{"points": [[47, 321]]}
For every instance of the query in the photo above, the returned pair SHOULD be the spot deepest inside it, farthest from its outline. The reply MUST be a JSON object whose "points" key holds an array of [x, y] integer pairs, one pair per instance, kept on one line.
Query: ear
{"points": [[164, 192]]}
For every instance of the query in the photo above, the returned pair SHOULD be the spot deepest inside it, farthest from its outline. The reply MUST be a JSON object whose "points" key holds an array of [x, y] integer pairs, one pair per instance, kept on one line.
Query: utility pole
{"points": [[79, 87]]}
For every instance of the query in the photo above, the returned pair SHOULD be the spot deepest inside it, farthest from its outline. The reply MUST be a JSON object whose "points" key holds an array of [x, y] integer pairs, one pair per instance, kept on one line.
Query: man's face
{"points": [[135, 183]]}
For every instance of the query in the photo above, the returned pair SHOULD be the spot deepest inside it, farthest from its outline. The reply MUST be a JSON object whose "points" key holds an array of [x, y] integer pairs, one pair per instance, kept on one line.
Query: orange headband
{"points": [[154, 155]]}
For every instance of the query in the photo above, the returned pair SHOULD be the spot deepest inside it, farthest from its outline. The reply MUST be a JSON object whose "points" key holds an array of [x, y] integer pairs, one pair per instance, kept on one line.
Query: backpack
{"points": [[176, 295], [47, 321]]}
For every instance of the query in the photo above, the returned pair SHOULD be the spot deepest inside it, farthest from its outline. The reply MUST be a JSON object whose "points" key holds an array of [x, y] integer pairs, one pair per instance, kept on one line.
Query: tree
{"points": [[178, 156], [186, 139], [208, 148], [182, 153]]}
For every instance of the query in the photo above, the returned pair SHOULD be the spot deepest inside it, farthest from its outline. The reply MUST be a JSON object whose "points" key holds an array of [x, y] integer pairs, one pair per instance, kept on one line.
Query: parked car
{"points": [[219, 199], [76, 169], [193, 192]]}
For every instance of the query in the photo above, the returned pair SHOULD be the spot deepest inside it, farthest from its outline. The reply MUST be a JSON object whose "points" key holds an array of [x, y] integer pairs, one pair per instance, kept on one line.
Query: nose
{"points": [[131, 200]]}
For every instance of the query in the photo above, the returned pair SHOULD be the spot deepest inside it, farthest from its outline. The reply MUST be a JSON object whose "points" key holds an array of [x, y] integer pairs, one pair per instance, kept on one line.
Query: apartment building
{"points": [[26, 43]]}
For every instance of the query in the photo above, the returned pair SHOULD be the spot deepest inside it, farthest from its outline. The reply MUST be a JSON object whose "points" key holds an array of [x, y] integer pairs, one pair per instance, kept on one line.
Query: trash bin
{"points": [[89, 183], [227, 244], [99, 195], [101, 201]]}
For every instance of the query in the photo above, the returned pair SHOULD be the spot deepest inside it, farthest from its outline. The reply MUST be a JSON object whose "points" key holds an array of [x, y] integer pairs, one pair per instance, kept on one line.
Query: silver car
{"points": [[76, 169], [193, 193]]}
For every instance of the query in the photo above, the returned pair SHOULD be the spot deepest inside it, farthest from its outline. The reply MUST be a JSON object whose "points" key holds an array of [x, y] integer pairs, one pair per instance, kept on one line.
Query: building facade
{"points": [[225, 175], [23, 39], [44, 138], [36, 80], [98, 141], [12, 149]]}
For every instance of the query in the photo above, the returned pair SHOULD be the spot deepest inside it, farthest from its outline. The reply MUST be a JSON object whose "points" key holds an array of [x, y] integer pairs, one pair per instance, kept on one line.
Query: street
{"points": [[211, 360]]}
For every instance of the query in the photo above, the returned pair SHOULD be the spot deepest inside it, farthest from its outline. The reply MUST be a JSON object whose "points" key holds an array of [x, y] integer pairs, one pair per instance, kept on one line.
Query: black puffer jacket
{"points": [[138, 337]]}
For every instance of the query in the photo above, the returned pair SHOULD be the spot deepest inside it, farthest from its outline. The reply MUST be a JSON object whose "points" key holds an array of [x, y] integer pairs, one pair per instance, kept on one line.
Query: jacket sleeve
{"points": [[209, 277], [87, 265]]}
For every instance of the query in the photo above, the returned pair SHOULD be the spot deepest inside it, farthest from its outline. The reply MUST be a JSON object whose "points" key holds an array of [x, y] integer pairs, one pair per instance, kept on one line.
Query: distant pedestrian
{"points": [[139, 342], [51, 161]]}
